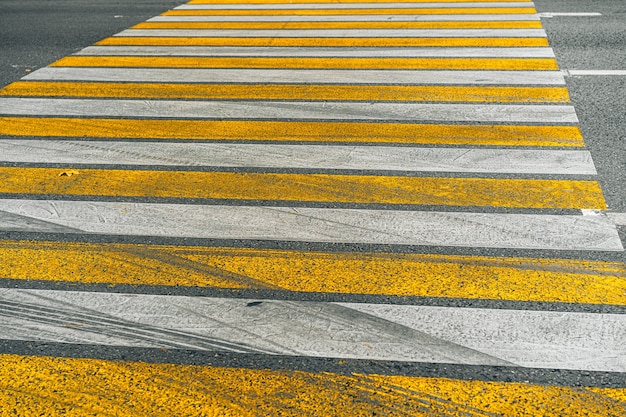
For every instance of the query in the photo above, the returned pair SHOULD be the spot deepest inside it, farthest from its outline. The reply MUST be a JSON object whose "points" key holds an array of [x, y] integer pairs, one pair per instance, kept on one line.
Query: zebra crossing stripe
{"points": [[409, 333], [512, 64], [351, 18], [331, 2], [350, 5], [26, 378], [306, 224], [289, 92], [285, 110], [326, 11], [338, 33], [176, 38], [337, 25], [313, 188], [390, 274], [295, 76], [293, 131], [293, 156], [318, 52]]}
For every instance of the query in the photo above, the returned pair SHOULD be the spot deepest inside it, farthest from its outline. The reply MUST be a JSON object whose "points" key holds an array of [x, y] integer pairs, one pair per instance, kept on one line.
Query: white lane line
{"points": [[380, 77], [364, 5], [352, 18], [550, 15], [476, 336], [383, 158], [318, 52], [578, 73], [304, 224], [284, 110], [336, 33]]}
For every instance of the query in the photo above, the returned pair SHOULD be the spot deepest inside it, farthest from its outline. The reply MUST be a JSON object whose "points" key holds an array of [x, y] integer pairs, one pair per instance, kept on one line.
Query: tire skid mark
{"points": [[96, 322]]}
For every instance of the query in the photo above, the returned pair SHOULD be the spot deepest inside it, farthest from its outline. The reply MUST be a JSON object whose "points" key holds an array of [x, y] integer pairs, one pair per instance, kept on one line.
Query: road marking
{"points": [[176, 39], [336, 33], [352, 132], [331, 2], [315, 157], [393, 274], [351, 18], [321, 188], [340, 12], [569, 14], [289, 92], [470, 336], [319, 52], [312, 63], [578, 73], [340, 25], [281, 76], [276, 110], [32, 384], [350, 5], [302, 224]]}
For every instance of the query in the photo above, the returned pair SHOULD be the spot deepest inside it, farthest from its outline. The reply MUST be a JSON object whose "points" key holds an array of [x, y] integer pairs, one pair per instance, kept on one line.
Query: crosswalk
{"points": [[310, 207]]}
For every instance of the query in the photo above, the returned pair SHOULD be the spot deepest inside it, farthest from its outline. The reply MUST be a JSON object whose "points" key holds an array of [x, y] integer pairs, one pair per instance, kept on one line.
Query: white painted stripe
{"points": [[352, 18], [336, 33], [303, 224], [318, 52], [383, 158], [578, 73], [397, 77], [364, 5], [528, 338], [476, 336], [549, 14], [281, 110]]}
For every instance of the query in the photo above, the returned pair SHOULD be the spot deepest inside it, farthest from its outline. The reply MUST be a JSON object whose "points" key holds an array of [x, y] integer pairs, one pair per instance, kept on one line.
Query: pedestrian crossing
{"points": [[310, 207]]}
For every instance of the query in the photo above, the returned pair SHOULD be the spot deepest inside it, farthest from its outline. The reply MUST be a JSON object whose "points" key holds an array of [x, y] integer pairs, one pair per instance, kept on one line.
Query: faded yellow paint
{"points": [[365, 11], [288, 92], [325, 42], [392, 274], [342, 25], [326, 188], [439, 134], [31, 385], [512, 64]]}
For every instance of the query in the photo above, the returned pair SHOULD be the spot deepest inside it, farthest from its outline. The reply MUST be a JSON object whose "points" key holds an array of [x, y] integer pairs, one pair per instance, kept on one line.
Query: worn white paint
{"points": [[336, 33], [338, 52], [302, 76], [316, 157], [276, 110], [305, 224], [475, 336]]}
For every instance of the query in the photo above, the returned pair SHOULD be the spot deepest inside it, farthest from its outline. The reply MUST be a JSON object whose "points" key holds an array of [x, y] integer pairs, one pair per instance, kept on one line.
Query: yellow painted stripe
{"points": [[392, 274], [479, 192], [369, 11], [288, 92], [319, 63], [341, 25], [437, 134], [326, 42], [345, 1], [40, 385]]}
